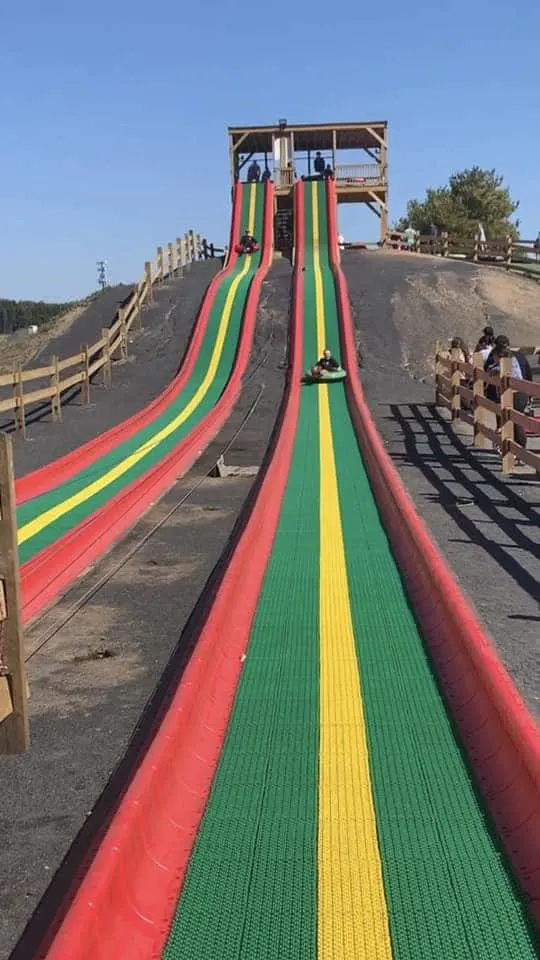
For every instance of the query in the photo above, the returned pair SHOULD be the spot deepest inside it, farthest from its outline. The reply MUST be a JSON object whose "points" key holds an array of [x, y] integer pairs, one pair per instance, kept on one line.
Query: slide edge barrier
{"points": [[54, 569], [500, 736], [149, 828], [53, 474]]}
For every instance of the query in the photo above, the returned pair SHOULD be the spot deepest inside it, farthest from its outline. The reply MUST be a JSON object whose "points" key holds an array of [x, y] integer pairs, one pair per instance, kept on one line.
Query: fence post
{"points": [[475, 249], [14, 729], [56, 399], [455, 356], [479, 412], [507, 405], [160, 264], [19, 414], [437, 370], [123, 334], [509, 250], [86, 371], [180, 255], [107, 366], [212, 251], [204, 249], [170, 259], [148, 274], [445, 244], [188, 247], [137, 319], [198, 246]]}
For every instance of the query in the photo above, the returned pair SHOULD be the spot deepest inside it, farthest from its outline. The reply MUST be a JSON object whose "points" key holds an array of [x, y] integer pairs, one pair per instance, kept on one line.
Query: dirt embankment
{"points": [[404, 303]]}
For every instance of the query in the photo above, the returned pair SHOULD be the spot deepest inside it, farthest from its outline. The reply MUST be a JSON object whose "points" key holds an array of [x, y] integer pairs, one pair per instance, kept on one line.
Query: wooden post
{"points": [[205, 249], [507, 404], [137, 317], [56, 399], [179, 256], [509, 250], [170, 256], [107, 367], [86, 370], [455, 356], [161, 273], [148, 272], [18, 413], [14, 729], [444, 243], [190, 247], [475, 250], [123, 334], [212, 251], [198, 246], [437, 371], [479, 412]]}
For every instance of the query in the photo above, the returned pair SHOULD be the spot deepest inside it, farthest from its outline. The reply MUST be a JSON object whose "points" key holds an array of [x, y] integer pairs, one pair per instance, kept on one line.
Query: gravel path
{"points": [[91, 681], [155, 353], [485, 525]]}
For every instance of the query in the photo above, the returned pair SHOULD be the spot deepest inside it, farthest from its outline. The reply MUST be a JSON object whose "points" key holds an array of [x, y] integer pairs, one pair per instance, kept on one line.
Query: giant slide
{"points": [[345, 771], [70, 512]]}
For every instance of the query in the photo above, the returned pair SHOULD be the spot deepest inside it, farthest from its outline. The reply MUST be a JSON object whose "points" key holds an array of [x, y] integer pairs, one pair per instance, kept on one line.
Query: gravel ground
{"points": [[155, 353], [485, 525], [91, 680]]}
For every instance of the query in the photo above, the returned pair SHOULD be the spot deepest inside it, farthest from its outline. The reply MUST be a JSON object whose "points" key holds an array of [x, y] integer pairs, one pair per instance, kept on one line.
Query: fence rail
{"points": [[92, 358], [460, 388], [358, 173], [515, 254]]}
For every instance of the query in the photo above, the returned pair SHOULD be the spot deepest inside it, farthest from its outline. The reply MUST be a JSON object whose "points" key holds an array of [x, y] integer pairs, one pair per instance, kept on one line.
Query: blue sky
{"points": [[114, 115]]}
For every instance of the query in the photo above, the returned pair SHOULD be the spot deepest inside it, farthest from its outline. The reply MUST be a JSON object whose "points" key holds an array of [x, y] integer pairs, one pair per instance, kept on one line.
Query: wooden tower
{"points": [[356, 153]]}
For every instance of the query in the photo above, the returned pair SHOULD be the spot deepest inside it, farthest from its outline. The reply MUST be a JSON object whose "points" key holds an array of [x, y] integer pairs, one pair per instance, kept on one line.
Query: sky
{"points": [[114, 115]]}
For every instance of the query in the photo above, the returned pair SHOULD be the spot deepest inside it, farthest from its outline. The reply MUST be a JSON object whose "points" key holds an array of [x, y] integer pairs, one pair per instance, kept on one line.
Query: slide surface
{"points": [[342, 821], [115, 465], [305, 797]]}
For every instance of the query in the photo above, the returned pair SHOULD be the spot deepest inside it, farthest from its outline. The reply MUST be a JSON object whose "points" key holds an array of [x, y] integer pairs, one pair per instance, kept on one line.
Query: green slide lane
{"points": [[225, 320], [250, 890], [448, 891], [253, 884]]}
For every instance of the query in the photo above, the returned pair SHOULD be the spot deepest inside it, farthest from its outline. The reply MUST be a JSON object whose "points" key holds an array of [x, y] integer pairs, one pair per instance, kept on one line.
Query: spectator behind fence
{"points": [[520, 371], [409, 235], [486, 342], [458, 344]]}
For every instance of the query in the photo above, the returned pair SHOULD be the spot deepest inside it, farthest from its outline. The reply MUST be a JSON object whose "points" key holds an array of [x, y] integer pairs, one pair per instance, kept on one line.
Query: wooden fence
{"points": [[513, 254], [14, 732], [460, 388], [63, 374], [77, 371]]}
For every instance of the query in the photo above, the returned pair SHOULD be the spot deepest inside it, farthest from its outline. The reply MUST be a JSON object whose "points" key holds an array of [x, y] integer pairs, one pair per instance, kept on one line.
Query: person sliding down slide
{"points": [[248, 244], [327, 363]]}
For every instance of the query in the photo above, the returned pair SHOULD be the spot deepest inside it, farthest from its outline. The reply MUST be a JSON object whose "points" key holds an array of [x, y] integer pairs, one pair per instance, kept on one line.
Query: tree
{"points": [[471, 197]]}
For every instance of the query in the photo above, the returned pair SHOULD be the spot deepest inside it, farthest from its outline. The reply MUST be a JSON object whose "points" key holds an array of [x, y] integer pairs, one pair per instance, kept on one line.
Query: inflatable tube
{"points": [[327, 376], [500, 737], [130, 891]]}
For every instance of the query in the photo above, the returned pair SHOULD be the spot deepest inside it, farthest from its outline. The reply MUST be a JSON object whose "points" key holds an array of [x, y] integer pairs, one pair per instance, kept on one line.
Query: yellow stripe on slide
{"points": [[352, 914], [54, 513]]}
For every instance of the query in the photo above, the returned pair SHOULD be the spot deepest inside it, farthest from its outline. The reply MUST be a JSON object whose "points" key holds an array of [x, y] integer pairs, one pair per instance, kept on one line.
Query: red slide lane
{"points": [[129, 893], [53, 474], [49, 573], [499, 734]]}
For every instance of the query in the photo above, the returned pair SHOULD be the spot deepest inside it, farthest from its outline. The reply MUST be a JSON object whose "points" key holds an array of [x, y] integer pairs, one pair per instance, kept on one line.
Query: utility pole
{"points": [[103, 274]]}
